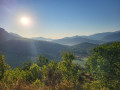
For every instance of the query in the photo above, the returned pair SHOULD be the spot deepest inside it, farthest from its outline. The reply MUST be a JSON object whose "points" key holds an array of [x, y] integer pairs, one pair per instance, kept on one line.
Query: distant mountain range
{"points": [[98, 38], [18, 49], [75, 40], [115, 36], [42, 38]]}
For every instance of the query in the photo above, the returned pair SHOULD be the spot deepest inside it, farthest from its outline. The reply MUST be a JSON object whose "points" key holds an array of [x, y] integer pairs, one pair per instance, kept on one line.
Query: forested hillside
{"points": [[18, 49], [101, 72]]}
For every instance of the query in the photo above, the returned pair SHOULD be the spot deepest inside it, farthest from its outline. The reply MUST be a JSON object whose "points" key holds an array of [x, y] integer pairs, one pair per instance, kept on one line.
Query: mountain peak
{"points": [[2, 30], [4, 35], [15, 35]]}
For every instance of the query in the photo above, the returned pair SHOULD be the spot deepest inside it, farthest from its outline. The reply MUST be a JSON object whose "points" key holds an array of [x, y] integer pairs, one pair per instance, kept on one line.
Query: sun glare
{"points": [[25, 21]]}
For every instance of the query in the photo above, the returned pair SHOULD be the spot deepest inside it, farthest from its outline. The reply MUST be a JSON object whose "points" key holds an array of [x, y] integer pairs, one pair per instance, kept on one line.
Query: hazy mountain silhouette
{"points": [[42, 38], [115, 36], [75, 40], [4, 35], [98, 38], [15, 35], [18, 49]]}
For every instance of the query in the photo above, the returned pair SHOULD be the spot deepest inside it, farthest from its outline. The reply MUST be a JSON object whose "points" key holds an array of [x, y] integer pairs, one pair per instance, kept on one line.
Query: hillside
{"points": [[4, 35], [42, 38], [15, 35], [75, 40], [112, 37], [98, 38], [24, 49], [18, 49], [83, 49]]}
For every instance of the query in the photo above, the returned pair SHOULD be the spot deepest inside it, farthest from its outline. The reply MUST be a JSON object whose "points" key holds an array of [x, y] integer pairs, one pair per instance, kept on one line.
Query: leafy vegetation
{"points": [[101, 72], [104, 64]]}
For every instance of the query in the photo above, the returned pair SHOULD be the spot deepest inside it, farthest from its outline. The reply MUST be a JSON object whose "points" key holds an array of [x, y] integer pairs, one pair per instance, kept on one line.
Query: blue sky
{"points": [[60, 18]]}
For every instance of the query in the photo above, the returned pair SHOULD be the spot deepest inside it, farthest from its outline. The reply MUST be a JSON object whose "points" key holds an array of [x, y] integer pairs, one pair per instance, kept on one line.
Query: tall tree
{"points": [[41, 60], [3, 65], [66, 65], [105, 64]]}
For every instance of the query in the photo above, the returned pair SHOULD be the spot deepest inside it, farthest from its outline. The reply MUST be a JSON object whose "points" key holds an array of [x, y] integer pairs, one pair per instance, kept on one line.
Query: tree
{"points": [[52, 74], [105, 64], [11, 76], [66, 65], [36, 72], [68, 57], [3, 65], [41, 60], [26, 65]]}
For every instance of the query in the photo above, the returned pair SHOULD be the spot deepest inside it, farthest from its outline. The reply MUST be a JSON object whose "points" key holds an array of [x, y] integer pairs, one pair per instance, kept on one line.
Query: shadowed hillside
{"points": [[23, 48], [14, 46]]}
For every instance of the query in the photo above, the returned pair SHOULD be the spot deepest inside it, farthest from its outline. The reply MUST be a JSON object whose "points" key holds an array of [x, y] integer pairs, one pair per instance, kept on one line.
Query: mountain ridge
{"points": [[19, 49]]}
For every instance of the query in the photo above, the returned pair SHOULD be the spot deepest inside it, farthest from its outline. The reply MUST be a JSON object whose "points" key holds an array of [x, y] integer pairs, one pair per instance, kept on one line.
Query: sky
{"points": [[60, 18]]}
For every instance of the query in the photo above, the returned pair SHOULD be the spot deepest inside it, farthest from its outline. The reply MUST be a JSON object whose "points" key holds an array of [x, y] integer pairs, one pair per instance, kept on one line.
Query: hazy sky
{"points": [[60, 18]]}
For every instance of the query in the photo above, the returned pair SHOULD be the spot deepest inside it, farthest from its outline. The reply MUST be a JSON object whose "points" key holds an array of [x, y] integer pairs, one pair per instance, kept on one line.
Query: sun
{"points": [[25, 20]]}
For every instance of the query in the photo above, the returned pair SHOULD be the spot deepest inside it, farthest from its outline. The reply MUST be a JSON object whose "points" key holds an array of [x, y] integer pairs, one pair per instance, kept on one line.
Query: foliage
{"points": [[26, 65], [36, 72], [41, 60], [102, 72], [37, 83], [44, 73], [105, 65], [3, 66]]}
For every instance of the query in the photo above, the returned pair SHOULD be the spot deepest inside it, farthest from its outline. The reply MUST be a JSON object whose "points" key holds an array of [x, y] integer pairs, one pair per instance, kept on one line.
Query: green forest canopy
{"points": [[102, 71]]}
